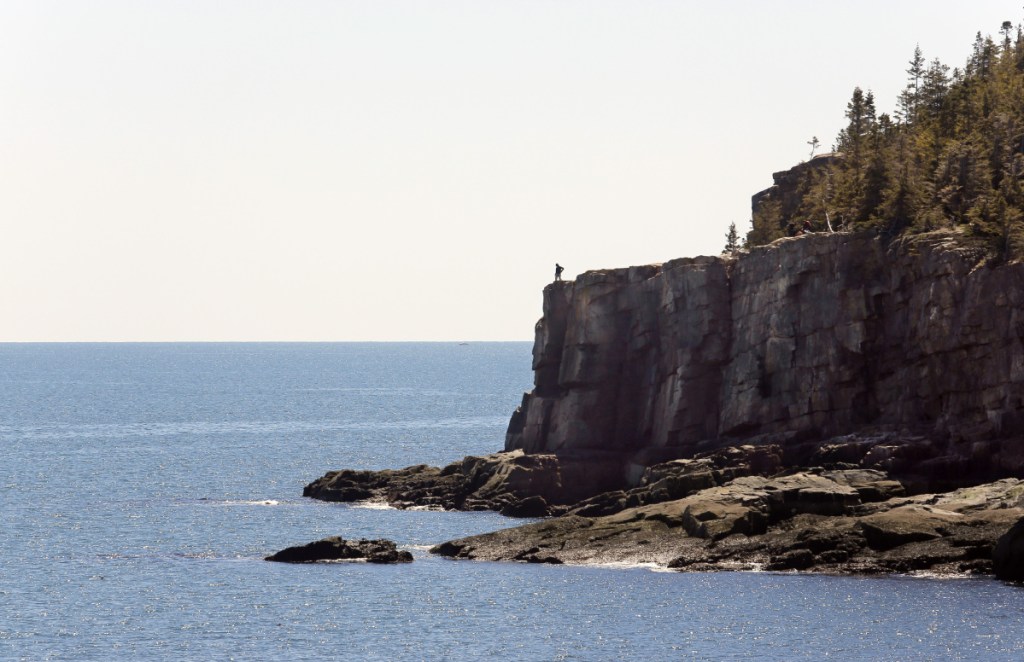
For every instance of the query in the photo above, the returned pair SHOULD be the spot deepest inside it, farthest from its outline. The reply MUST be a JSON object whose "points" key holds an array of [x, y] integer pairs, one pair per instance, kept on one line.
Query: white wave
{"points": [[632, 565], [243, 502], [927, 574], [373, 504]]}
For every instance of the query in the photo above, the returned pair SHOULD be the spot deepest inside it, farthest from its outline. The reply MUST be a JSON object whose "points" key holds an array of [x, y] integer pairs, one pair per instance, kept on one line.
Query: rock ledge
{"points": [[335, 548]]}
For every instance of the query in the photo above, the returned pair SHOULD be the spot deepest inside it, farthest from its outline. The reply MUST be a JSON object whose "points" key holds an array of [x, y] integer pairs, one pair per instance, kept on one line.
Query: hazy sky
{"points": [[377, 170]]}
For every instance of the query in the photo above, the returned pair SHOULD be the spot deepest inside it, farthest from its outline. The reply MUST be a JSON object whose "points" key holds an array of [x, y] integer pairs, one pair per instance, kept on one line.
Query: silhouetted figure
{"points": [[791, 230], [558, 271]]}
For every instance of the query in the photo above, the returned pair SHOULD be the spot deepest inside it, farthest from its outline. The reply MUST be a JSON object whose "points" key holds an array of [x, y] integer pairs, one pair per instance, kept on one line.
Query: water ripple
{"points": [[53, 432]]}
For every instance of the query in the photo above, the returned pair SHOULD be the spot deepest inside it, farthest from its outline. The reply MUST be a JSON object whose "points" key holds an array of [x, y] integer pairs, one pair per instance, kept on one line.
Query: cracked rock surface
{"points": [[830, 402]]}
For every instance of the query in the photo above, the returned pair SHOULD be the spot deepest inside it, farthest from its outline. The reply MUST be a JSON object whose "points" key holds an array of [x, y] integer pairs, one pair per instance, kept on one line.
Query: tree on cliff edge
{"points": [[732, 240], [953, 158]]}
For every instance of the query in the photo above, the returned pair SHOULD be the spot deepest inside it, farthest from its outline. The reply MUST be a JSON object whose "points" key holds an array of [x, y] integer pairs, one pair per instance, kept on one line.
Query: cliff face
{"points": [[826, 402], [807, 338]]}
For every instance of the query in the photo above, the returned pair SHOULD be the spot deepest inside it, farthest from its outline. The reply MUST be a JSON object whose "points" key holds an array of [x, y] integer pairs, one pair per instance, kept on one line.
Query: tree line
{"points": [[951, 157]]}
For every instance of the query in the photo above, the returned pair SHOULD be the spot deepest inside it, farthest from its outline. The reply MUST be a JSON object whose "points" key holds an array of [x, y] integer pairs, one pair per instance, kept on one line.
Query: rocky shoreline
{"points": [[737, 508], [828, 403], [802, 521]]}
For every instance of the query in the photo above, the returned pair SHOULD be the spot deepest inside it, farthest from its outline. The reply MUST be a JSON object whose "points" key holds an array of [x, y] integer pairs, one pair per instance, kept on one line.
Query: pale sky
{"points": [[389, 170]]}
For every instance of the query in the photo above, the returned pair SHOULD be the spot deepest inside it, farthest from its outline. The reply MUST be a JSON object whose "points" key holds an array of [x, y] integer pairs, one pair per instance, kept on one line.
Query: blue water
{"points": [[141, 485]]}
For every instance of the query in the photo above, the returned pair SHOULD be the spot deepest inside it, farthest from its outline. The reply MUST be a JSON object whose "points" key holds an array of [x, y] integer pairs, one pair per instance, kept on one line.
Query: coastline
{"points": [[825, 403]]}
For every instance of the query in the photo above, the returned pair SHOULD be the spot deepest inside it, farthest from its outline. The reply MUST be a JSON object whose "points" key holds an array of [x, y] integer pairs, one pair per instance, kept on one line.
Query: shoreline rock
{"points": [[512, 483], [1008, 555], [802, 521], [737, 507], [734, 508], [336, 548]]}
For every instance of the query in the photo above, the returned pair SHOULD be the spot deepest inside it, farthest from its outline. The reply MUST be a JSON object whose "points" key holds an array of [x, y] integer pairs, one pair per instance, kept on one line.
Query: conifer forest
{"points": [[950, 157]]}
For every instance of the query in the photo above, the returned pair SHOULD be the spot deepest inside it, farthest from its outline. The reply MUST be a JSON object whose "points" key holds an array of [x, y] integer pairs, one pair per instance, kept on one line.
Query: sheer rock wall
{"points": [[810, 337]]}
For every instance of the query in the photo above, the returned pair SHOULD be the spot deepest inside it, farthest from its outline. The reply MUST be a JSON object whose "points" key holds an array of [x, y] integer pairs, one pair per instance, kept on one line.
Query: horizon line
{"points": [[237, 342]]}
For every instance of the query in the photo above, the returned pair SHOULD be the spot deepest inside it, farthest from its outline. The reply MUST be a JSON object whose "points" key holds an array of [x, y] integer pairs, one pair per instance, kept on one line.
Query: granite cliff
{"points": [[920, 343], [833, 402]]}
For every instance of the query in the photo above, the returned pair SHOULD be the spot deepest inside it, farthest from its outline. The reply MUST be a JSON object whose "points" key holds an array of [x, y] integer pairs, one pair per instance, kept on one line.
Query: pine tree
{"points": [[814, 143], [1006, 29], [911, 93], [934, 89], [860, 111], [767, 224], [953, 160], [732, 239]]}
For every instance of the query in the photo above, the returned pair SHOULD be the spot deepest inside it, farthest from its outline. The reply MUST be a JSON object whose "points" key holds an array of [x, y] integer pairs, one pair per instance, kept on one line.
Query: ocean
{"points": [[142, 484]]}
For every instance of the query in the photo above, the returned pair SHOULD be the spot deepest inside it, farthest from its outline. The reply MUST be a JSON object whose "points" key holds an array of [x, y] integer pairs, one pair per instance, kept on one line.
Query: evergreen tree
{"points": [[953, 160], [908, 99], [767, 224], [860, 113], [1006, 30], [934, 88], [732, 239], [814, 143]]}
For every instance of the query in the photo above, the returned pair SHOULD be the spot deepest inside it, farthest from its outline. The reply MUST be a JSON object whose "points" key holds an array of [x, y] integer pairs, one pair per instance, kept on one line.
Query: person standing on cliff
{"points": [[558, 271]]}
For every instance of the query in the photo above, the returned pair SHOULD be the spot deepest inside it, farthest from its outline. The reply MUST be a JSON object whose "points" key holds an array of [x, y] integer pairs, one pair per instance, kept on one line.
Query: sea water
{"points": [[142, 484]]}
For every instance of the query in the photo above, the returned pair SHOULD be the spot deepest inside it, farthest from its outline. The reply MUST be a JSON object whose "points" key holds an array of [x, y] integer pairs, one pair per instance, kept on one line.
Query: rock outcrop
{"points": [[806, 339], [335, 548], [1008, 555], [827, 402], [789, 187], [513, 483], [801, 521]]}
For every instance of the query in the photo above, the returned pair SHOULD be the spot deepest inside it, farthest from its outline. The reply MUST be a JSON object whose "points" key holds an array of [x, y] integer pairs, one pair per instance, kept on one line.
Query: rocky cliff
{"points": [[800, 341], [829, 402], [787, 193]]}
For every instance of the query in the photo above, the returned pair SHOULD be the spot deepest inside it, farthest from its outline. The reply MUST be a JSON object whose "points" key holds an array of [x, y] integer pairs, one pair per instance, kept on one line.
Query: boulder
{"points": [[533, 506], [335, 548], [907, 524], [1008, 555]]}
